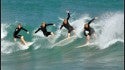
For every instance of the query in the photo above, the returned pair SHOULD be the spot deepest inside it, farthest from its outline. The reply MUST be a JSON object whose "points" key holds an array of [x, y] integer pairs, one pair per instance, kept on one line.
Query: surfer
{"points": [[89, 31], [67, 25], [16, 32], [44, 30]]}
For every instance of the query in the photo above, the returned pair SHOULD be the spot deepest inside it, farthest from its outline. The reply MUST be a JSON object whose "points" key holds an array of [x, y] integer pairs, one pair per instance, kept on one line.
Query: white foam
{"points": [[7, 46], [112, 29], [110, 43], [109, 28], [64, 42], [3, 30], [24, 47]]}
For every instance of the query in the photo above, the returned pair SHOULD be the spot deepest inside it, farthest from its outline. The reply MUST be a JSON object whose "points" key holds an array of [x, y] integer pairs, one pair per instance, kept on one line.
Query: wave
{"points": [[112, 29], [3, 30], [7, 47], [109, 28]]}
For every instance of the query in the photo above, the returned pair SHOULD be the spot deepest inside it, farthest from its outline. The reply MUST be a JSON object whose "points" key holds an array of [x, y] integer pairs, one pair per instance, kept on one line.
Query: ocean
{"points": [[56, 53]]}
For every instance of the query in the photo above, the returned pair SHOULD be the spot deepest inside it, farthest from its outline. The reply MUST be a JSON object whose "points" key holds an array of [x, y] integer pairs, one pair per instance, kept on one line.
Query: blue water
{"points": [[43, 54], [36, 11]]}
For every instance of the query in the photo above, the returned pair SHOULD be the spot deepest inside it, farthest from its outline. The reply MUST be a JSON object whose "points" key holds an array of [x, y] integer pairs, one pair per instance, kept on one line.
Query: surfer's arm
{"points": [[24, 29], [49, 24], [91, 20], [37, 30], [61, 26], [68, 16]]}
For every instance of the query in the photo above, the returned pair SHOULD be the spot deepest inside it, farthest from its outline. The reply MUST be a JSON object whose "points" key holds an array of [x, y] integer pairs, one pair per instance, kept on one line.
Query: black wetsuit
{"points": [[45, 32], [17, 30], [67, 26], [89, 29]]}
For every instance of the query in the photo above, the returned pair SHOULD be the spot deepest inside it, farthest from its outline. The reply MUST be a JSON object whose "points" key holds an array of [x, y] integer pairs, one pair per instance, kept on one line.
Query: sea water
{"points": [[43, 54]]}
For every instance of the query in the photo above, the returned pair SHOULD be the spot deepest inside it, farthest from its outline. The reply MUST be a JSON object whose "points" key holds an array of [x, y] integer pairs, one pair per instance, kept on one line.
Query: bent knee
{"points": [[22, 37]]}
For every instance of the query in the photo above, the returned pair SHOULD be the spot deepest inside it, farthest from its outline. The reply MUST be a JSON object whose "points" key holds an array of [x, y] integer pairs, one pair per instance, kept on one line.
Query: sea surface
{"points": [[55, 52]]}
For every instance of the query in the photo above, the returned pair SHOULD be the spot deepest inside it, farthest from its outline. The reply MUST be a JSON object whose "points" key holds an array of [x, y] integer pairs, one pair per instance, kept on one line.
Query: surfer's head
{"points": [[86, 26], [19, 25], [43, 24], [65, 21]]}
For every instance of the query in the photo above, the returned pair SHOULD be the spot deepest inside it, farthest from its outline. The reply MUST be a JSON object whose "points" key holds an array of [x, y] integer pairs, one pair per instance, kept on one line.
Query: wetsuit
{"points": [[67, 26], [89, 29], [44, 30], [17, 30]]}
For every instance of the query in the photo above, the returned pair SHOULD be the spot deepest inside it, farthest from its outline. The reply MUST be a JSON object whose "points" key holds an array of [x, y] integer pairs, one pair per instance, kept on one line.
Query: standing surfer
{"points": [[44, 30], [89, 31], [21, 37], [67, 25]]}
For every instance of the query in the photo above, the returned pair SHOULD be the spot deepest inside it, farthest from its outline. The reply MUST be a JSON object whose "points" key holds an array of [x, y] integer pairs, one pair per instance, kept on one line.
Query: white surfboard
{"points": [[65, 41], [23, 47], [90, 44]]}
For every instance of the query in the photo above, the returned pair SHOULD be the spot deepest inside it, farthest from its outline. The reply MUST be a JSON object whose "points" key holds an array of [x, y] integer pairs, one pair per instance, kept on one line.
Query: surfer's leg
{"points": [[22, 40], [68, 35], [69, 31], [16, 37], [87, 39], [49, 34], [52, 33]]}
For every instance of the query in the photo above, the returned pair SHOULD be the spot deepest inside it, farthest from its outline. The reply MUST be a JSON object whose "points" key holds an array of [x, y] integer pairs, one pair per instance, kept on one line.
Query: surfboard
{"points": [[90, 44], [65, 41], [23, 47]]}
